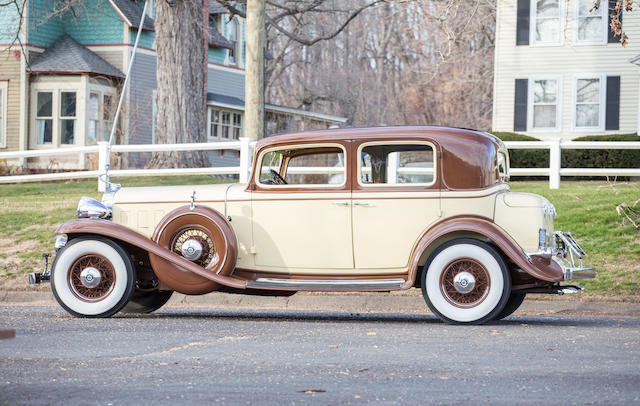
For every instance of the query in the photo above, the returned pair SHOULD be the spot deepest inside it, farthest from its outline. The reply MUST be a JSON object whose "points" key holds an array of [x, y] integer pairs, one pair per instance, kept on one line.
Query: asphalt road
{"points": [[203, 356]]}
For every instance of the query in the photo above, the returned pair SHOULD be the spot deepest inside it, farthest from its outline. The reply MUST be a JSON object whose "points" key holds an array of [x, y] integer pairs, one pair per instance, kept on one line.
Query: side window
{"points": [[396, 164], [314, 166]]}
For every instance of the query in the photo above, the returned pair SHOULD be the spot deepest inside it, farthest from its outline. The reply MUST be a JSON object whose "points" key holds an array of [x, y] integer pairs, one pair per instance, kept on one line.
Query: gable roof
{"points": [[131, 14], [217, 8], [218, 40], [67, 55]]}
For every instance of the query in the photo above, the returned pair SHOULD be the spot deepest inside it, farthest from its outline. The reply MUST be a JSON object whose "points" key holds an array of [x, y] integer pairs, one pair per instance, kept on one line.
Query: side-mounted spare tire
{"points": [[201, 235]]}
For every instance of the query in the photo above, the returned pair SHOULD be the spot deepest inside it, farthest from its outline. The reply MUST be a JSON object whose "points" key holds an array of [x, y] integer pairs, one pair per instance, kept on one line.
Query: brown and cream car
{"points": [[359, 209]]}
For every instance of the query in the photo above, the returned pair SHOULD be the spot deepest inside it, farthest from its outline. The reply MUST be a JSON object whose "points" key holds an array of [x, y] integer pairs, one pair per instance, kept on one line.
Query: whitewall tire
{"points": [[92, 277], [466, 281]]}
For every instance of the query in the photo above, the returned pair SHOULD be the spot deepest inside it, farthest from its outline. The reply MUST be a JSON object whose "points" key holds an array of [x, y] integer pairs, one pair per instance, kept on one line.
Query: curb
{"points": [[347, 302]]}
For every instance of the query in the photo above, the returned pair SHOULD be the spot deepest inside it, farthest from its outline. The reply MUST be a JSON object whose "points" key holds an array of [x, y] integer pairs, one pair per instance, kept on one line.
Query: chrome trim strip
{"points": [[321, 283]]}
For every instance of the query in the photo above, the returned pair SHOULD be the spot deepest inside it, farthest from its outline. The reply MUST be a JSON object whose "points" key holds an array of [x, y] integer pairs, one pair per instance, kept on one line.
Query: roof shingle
{"points": [[67, 55], [132, 14]]}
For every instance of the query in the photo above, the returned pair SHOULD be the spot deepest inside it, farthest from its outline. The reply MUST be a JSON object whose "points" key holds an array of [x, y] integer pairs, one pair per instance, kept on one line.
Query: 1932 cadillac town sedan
{"points": [[372, 209]]}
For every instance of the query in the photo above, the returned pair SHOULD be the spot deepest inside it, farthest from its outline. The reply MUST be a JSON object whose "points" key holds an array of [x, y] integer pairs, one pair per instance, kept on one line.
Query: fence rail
{"points": [[245, 145]]}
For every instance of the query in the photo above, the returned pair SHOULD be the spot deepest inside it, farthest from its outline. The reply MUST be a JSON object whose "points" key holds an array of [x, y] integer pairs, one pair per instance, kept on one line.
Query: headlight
{"points": [[91, 208]]}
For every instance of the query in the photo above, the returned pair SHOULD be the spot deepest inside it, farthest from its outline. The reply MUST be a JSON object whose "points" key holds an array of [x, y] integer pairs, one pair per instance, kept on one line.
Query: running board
{"points": [[329, 284]]}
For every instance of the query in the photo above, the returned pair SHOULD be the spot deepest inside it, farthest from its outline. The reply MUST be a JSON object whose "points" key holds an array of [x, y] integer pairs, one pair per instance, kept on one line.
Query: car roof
{"points": [[441, 135]]}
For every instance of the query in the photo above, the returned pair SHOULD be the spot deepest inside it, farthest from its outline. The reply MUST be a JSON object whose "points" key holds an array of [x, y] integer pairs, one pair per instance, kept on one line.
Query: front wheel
{"points": [[92, 277], [147, 302], [466, 281]]}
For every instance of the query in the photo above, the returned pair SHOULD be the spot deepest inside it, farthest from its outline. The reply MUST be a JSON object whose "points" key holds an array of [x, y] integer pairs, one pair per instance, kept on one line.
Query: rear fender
{"points": [[118, 232], [538, 266]]}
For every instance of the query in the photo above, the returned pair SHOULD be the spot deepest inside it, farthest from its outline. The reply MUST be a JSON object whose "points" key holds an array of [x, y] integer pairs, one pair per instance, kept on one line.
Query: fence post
{"points": [[245, 159], [554, 164], [103, 154]]}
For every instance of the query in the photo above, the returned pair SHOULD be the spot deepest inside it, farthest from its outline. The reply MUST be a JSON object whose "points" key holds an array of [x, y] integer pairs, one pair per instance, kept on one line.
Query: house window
{"points": [[232, 33], [107, 116], [591, 23], [44, 118], [546, 16], [225, 125], [67, 117], [544, 112], [589, 103], [93, 115]]}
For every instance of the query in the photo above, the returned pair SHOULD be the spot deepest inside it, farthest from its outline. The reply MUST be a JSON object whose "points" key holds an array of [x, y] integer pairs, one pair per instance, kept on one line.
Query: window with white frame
{"points": [[67, 117], [44, 118], [224, 125], [544, 110], [93, 117], [589, 102], [547, 22], [3, 113], [591, 24], [232, 36]]}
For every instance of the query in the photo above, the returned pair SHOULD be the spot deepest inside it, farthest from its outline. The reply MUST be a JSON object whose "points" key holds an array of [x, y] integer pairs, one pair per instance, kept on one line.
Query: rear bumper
{"points": [[568, 254]]}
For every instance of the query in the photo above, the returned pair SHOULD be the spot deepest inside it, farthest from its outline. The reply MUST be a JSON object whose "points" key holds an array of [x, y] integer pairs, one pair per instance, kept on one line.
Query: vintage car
{"points": [[357, 209]]}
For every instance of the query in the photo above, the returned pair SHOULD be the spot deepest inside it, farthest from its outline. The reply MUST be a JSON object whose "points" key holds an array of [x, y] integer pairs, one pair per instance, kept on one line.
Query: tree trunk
{"points": [[254, 72], [182, 95]]}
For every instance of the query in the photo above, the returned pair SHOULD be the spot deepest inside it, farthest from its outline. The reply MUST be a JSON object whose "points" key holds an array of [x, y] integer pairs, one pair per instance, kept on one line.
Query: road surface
{"points": [[184, 355]]}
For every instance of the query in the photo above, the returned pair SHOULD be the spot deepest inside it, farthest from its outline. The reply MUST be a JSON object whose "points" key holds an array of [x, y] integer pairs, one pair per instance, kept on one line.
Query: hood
{"points": [[172, 194]]}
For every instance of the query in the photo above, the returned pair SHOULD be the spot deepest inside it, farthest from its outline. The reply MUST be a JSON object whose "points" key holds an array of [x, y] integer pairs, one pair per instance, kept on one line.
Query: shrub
{"points": [[575, 158], [524, 158]]}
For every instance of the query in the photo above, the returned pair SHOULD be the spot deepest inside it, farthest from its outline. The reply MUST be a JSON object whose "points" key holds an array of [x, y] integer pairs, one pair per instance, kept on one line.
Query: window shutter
{"points": [[612, 121], [522, 25], [520, 107], [610, 36]]}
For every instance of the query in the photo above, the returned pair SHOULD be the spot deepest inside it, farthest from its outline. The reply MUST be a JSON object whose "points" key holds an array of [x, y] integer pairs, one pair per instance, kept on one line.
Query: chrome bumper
{"points": [[568, 254]]}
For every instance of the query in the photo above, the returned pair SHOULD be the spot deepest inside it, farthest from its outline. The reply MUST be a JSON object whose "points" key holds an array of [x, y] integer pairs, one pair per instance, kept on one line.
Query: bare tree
{"points": [[181, 66]]}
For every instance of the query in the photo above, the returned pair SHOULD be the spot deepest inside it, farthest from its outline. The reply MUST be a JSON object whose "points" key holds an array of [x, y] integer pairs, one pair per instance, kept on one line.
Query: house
{"points": [[60, 83], [560, 72]]}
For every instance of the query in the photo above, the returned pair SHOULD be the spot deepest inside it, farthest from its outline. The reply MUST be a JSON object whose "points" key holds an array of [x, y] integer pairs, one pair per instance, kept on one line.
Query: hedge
{"points": [[575, 158]]}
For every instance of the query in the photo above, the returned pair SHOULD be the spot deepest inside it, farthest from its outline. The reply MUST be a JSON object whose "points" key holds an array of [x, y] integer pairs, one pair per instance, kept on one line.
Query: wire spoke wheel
{"points": [[465, 282], [92, 277], [200, 235]]}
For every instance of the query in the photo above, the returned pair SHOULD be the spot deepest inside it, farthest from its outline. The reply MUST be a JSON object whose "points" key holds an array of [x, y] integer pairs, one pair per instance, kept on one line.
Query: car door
{"points": [[301, 214], [395, 199]]}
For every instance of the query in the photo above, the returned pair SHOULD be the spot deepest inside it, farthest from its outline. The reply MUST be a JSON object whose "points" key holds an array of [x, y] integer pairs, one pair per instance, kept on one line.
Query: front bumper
{"points": [[568, 254]]}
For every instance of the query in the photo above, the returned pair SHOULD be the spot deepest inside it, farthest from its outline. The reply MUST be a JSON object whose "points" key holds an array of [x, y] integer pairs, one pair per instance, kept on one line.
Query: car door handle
{"points": [[340, 203], [361, 204]]}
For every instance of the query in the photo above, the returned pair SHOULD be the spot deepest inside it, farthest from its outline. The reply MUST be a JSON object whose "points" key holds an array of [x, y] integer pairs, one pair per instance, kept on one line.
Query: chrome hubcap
{"points": [[464, 282], [90, 277], [192, 250]]}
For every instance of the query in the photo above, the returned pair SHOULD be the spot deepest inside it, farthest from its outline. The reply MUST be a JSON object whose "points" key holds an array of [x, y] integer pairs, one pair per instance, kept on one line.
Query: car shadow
{"points": [[564, 320]]}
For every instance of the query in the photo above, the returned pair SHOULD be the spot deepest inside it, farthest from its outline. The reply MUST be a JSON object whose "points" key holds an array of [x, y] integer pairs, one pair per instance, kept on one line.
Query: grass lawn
{"points": [[29, 213]]}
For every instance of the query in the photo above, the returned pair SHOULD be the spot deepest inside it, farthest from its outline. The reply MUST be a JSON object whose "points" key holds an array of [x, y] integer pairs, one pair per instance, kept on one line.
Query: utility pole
{"points": [[254, 70]]}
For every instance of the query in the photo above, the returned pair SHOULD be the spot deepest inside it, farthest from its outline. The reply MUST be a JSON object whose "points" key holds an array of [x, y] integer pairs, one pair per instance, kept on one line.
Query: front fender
{"points": [[535, 265], [116, 231]]}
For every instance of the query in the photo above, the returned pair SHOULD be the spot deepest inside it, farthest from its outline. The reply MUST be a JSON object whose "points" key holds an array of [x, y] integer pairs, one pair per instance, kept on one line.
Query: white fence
{"points": [[245, 145]]}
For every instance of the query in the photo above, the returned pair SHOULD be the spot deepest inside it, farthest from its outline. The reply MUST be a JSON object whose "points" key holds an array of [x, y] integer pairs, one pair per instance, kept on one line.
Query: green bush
{"points": [[603, 158], [575, 158], [524, 158]]}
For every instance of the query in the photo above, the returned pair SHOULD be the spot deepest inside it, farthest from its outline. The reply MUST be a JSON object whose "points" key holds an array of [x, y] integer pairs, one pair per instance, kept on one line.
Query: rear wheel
{"points": [[514, 302], [466, 281], [92, 277], [147, 302]]}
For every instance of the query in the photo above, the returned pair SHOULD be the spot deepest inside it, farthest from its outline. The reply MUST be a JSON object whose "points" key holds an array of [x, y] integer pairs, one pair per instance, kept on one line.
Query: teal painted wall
{"points": [[217, 55], [9, 23], [98, 24], [146, 38], [43, 30]]}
